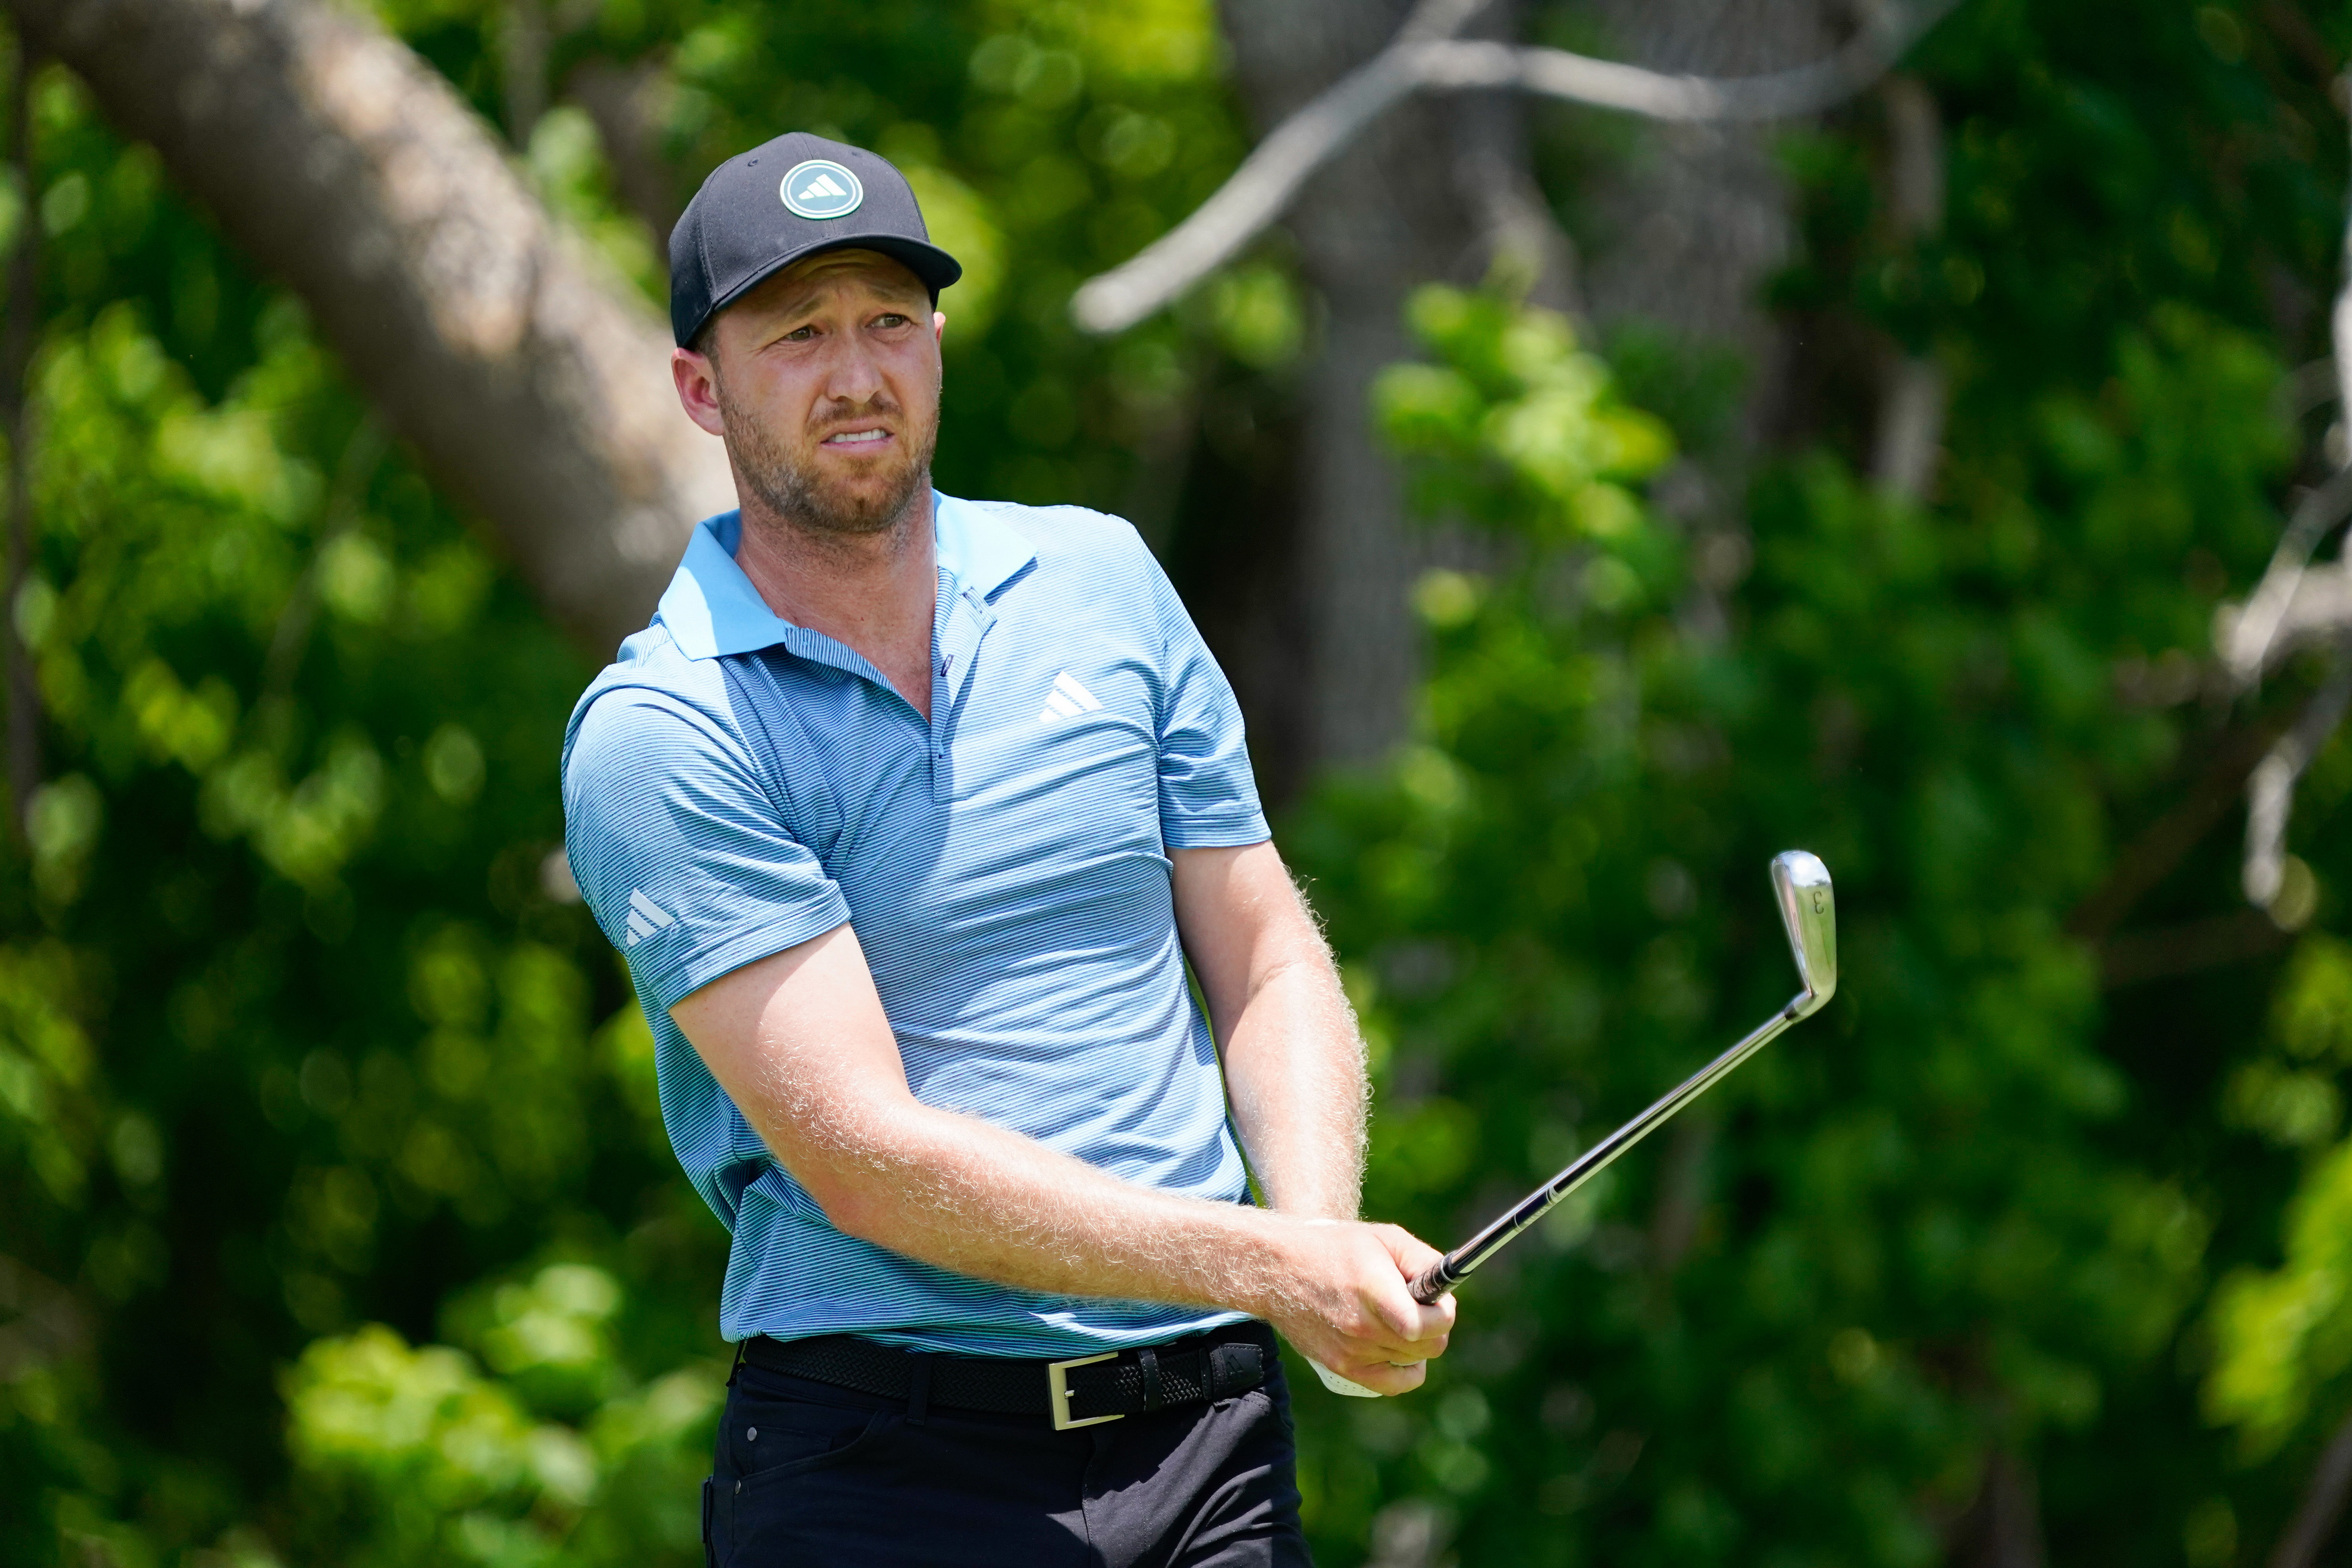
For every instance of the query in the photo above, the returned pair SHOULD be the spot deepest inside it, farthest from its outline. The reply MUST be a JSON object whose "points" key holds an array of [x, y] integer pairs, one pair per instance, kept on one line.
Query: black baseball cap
{"points": [[796, 196]]}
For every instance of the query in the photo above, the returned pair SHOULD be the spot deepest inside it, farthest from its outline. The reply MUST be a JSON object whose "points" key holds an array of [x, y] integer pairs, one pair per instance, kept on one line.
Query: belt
{"points": [[1082, 1392]]}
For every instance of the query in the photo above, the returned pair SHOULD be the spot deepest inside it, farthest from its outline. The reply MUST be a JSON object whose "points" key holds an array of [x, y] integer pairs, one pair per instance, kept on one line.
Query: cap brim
{"points": [[935, 267]]}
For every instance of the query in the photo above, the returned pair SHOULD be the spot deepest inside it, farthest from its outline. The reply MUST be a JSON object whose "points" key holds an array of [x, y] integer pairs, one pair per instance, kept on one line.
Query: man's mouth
{"points": [[856, 437]]}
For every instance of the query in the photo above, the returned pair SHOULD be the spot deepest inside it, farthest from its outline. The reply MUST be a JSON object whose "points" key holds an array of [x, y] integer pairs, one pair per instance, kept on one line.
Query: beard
{"points": [[798, 494]]}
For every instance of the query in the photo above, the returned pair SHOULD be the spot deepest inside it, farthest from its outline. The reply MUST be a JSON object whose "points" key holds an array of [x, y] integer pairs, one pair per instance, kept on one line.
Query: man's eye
{"points": [[800, 334], [890, 321]]}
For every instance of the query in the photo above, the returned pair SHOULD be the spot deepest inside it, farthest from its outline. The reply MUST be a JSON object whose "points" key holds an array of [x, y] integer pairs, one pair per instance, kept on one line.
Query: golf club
{"points": [[1800, 884]]}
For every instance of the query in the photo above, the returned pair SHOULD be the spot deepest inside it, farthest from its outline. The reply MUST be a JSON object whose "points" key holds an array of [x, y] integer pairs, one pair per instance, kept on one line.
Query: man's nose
{"points": [[853, 372]]}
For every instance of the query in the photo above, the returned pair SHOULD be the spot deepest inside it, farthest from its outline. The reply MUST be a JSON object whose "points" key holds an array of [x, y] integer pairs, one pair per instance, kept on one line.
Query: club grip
{"points": [[1435, 1282]]}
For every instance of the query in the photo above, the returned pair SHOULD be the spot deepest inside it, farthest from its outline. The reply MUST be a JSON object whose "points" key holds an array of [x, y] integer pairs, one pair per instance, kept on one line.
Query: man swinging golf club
{"points": [[908, 813]]}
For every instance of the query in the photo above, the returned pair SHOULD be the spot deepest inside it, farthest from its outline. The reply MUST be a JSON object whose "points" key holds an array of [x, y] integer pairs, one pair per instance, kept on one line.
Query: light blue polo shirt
{"points": [[735, 784]]}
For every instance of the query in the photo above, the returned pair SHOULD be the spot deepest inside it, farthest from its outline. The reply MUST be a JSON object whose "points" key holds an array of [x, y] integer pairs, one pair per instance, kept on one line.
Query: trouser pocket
{"points": [[773, 1440]]}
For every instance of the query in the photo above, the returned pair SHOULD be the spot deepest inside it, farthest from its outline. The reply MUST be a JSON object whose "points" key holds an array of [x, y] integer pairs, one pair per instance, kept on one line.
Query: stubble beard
{"points": [[801, 498]]}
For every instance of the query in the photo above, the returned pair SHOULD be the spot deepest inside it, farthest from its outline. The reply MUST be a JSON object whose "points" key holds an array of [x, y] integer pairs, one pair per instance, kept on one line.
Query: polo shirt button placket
{"points": [[944, 663]]}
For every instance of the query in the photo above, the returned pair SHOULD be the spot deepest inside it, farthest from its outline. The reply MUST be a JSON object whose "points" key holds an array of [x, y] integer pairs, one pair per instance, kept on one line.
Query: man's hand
{"points": [[1346, 1301]]}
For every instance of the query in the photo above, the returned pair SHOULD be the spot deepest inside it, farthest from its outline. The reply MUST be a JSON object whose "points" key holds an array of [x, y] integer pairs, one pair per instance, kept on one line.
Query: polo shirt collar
{"points": [[712, 611], [977, 548]]}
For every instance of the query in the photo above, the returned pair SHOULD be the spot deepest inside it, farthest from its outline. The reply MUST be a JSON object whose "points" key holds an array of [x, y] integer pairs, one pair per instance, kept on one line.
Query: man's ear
{"points": [[697, 380]]}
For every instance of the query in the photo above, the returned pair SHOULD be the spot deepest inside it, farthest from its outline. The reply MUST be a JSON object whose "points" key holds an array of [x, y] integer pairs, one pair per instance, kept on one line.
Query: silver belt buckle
{"points": [[1057, 1393]]}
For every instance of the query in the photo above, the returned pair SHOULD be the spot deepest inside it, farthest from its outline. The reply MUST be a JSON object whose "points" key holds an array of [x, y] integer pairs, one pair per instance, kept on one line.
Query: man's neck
{"points": [[875, 592]]}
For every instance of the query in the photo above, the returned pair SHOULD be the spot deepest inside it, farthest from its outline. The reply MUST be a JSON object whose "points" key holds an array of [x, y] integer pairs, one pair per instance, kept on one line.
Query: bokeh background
{"points": [[1584, 509]]}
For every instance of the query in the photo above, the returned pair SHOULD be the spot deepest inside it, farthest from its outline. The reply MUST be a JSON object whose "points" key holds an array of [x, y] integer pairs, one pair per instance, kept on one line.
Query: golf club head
{"points": [[1800, 884]]}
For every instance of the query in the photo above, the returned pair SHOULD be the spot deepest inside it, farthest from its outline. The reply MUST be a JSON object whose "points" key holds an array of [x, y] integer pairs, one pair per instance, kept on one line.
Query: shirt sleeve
{"points": [[1208, 796], [679, 849]]}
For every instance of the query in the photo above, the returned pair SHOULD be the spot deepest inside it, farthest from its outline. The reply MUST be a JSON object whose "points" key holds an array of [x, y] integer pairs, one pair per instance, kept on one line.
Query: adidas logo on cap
{"points": [[821, 188]]}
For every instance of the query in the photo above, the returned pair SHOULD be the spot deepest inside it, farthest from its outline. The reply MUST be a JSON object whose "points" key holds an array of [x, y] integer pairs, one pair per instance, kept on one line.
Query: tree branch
{"points": [[2306, 387], [529, 376], [2159, 849], [2294, 603], [2323, 1504], [2235, 937], [41, 1324], [2273, 620], [1259, 191], [2271, 790], [2289, 606]]}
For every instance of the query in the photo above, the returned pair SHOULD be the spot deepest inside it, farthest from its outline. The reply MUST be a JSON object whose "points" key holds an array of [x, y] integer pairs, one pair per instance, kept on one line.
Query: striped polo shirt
{"points": [[735, 784]]}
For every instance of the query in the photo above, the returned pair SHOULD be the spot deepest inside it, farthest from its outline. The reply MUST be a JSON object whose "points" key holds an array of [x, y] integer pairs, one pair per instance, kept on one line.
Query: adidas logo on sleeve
{"points": [[1067, 700], [647, 917]]}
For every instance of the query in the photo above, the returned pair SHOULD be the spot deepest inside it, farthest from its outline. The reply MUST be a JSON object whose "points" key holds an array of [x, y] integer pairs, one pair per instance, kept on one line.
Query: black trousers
{"points": [[810, 1474]]}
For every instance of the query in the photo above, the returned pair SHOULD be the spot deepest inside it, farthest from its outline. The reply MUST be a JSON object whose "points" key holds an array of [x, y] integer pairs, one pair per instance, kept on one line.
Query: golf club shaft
{"points": [[1459, 1264]]}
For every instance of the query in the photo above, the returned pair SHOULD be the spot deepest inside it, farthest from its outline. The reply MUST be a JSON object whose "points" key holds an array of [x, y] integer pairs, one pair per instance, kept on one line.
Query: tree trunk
{"points": [[1436, 191], [528, 374], [1687, 230], [20, 328], [2002, 1528], [1698, 217], [1911, 403], [627, 103]]}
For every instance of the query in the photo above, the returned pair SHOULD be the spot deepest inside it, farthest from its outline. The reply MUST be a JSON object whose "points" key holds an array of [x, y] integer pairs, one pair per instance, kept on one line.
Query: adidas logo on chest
{"points": [[1067, 700]]}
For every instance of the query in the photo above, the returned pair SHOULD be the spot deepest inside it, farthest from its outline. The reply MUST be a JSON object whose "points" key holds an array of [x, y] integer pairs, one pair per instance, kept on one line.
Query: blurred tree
{"points": [[336, 1224], [1903, 1247], [336, 1218], [527, 372], [1914, 1287], [1441, 189], [1389, 186]]}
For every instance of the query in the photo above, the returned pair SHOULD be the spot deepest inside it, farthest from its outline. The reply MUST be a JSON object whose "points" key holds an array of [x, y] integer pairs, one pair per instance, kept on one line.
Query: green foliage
{"points": [[1958, 1213], [340, 1222], [337, 1223], [1046, 143], [1525, 423], [2281, 1332], [2283, 1337], [1916, 1245], [295, 1038], [415, 1457]]}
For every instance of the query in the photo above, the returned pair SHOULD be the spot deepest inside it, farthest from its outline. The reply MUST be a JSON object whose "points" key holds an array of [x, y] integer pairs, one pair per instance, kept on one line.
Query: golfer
{"points": [[909, 814]]}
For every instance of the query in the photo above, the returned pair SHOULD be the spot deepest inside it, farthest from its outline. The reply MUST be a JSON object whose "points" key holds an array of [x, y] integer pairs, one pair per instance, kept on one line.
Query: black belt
{"points": [[1076, 1392]]}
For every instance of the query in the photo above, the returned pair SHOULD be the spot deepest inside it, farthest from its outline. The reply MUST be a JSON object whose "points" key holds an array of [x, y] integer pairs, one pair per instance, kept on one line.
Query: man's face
{"points": [[824, 382]]}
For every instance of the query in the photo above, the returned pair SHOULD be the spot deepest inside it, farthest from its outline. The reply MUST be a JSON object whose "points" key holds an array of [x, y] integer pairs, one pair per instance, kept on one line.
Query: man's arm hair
{"points": [[800, 1042], [1293, 1056]]}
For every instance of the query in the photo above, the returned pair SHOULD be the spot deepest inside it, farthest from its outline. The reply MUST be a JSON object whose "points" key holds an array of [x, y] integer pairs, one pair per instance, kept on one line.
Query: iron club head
{"points": [[1800, 884]]}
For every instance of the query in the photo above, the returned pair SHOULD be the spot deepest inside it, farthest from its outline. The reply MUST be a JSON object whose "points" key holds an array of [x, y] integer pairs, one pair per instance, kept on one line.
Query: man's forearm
{"points": [[1295, 1072], [798, 1042], [966, 1195], [1294, 1060]]}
